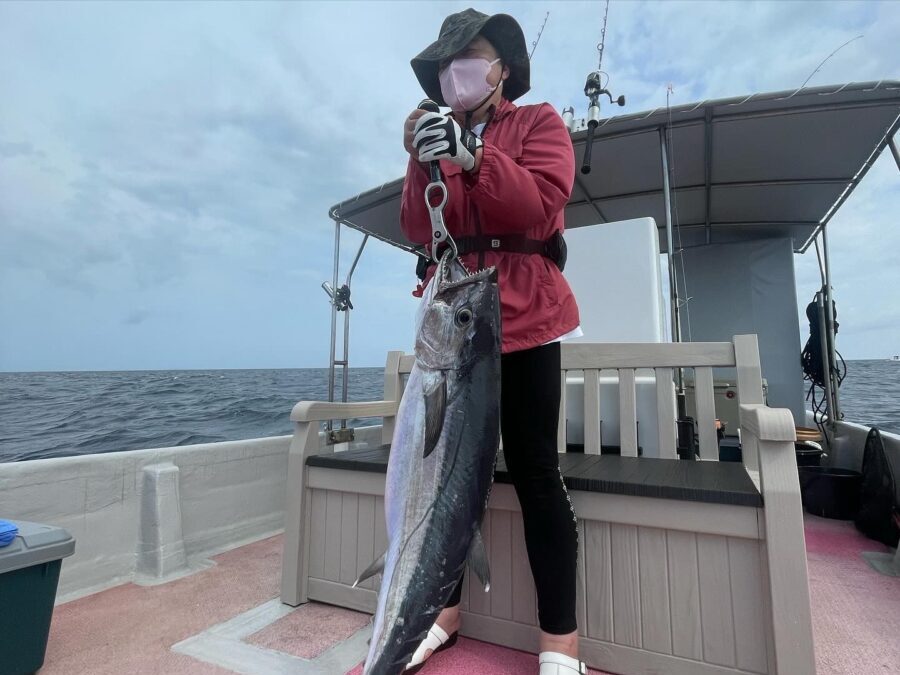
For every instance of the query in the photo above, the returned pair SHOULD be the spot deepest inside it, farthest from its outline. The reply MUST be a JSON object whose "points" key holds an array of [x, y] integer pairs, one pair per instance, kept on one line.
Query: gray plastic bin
{"points": [[29, 574]]}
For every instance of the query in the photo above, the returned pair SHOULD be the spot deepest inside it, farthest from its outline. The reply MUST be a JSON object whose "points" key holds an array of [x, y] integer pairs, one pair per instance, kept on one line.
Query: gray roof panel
{"points": [[779, 164]]}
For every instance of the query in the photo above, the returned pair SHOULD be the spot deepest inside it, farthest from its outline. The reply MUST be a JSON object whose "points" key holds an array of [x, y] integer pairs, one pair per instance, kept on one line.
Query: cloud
{"points": [[9, 150], [136, 317], [181, 158]]}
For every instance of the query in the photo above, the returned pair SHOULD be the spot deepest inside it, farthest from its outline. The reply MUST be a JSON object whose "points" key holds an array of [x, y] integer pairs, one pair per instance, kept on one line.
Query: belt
{"points": [[553, 248]]}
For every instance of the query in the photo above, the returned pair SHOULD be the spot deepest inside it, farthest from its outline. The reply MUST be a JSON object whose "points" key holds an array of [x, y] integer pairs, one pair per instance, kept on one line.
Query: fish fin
{"points": [[375, 568], [478, 560], [435, 405]]}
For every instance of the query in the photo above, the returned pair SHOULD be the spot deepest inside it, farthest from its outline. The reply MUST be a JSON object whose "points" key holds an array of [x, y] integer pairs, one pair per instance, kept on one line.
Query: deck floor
{"points": [[226, 619]]}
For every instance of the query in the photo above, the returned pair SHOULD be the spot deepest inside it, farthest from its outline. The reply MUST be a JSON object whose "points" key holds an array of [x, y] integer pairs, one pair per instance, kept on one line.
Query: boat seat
{"points": [[709, 482]]}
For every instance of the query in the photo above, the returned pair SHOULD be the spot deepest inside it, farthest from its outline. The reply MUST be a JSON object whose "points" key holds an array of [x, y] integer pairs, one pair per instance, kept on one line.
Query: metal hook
{"points": [[439, 233]]}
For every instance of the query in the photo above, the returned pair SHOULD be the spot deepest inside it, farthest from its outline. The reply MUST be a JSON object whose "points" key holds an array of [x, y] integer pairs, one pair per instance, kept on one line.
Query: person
{"points": [[509, 172]]}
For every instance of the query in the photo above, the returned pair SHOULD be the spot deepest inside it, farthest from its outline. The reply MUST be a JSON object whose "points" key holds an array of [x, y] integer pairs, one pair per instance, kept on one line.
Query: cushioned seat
{"points": [[710, 482]]}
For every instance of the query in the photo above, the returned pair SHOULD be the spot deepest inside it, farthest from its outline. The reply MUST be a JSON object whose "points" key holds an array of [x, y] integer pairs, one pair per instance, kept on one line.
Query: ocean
{"points": [[77, 413]]}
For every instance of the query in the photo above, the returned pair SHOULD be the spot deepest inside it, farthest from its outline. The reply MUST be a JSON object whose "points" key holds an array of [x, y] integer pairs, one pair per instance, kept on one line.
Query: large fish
{"points": [[441, 464]]}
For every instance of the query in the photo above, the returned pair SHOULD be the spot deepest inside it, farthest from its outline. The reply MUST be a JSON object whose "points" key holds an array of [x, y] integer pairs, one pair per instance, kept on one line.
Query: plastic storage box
{"points": [[29, 574]]}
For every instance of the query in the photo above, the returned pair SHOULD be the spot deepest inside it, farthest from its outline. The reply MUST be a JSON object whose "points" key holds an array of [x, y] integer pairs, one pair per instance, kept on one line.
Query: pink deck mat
{"points": [[469, 657], [855, 610], [130, 629]]}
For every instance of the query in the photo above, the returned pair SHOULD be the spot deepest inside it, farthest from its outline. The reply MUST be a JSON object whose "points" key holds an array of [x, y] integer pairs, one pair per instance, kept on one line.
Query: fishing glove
{"points": [[439, 136]]}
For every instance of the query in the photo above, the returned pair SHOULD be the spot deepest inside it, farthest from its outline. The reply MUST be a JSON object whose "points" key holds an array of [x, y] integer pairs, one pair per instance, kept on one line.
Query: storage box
{"points": [[29, 574], [614, 271], [725, 398]]}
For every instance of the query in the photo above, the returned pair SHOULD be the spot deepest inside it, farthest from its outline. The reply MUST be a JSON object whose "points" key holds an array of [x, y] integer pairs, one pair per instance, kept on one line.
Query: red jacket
{"points": [[525, 179]]}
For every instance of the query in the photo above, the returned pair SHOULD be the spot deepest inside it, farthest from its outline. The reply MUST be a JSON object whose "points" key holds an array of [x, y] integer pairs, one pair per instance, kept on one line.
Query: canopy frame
{"points": [[859, 96]]}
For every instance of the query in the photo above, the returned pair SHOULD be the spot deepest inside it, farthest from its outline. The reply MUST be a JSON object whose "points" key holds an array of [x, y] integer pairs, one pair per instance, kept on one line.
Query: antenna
{"points": [[540, 32]]}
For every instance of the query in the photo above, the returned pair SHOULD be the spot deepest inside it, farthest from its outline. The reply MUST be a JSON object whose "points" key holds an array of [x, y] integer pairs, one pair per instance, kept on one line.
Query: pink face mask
{"points": [[464, 83]]}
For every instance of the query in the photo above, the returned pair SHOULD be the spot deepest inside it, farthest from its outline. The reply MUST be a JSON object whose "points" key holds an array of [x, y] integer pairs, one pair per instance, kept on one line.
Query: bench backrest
{"points": [[741, 353]]}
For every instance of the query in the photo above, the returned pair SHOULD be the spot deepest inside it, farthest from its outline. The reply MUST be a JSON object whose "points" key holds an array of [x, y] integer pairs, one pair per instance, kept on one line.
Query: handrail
{"points": [[321, 411], [768, 424]]}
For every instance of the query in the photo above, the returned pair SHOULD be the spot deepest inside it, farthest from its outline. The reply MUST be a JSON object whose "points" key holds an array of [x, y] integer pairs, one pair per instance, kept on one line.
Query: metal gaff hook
{"points": [[439, 233]]}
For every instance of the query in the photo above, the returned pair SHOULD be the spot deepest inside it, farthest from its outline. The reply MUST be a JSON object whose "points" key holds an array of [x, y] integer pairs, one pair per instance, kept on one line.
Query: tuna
{"points": [[442, 461]]}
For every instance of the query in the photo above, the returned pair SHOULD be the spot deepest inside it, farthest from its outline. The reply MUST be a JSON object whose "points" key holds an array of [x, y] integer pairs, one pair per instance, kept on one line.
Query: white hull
{"points": [[229, 493]]}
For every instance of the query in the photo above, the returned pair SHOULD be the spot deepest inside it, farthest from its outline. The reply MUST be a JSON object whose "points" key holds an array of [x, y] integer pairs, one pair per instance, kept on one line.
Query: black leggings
{"points": [[530, 395]]}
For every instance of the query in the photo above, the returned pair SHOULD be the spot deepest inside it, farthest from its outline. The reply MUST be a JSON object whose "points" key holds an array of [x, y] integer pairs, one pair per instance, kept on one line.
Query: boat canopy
{"points": [[758, 166]]}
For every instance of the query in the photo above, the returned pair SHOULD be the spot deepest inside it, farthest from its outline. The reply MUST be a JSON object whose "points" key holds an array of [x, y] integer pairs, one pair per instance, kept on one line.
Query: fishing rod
{"points": [[594, 89], [540, 32]]}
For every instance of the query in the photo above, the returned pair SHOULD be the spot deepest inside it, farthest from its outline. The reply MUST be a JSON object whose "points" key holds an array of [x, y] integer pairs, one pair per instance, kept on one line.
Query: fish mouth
{"points": [[443, 274]]}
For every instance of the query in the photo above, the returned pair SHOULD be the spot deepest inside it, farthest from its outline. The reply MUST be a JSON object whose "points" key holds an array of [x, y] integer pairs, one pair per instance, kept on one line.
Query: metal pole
{"points": [[345, 363], [823, 344], [829, 314], [337, 259], [894, 151], [673, 279], [356, 259], [346, 378], [707, 152]]}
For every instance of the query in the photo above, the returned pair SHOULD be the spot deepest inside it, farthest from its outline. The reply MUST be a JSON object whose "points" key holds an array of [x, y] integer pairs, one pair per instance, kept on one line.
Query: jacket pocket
{"points": [[549, 289]]}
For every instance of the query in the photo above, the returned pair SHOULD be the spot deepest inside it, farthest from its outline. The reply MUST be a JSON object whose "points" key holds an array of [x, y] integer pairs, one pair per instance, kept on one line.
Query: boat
{"points": [[210, 558]]}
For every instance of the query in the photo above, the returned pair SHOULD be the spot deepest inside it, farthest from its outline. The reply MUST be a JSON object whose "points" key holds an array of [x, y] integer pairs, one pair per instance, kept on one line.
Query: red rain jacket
{"points": [[525, 179]]}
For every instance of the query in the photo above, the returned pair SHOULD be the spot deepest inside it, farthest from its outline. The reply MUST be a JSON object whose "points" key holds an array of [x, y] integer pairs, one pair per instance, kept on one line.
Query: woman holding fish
{"points": [[509, 172]]}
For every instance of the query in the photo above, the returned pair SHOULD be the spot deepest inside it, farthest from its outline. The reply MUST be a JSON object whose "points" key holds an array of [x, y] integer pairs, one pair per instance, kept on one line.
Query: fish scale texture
{"points": [[442, 459]]}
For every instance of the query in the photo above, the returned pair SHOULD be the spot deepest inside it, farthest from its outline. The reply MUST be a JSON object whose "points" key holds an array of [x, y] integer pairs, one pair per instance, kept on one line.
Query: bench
{"points": [[685, 567]]}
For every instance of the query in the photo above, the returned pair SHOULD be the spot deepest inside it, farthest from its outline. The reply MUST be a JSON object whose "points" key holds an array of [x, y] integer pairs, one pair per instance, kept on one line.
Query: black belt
{"points": [[553, 248]]}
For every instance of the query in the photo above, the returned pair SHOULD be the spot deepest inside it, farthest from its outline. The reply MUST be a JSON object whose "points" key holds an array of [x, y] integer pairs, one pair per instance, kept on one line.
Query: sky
{"points": [[166, 169]]}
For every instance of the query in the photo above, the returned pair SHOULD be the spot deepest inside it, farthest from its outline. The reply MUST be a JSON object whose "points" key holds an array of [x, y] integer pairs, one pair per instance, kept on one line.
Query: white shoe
{"points": [[437, 640], [554, 663]]}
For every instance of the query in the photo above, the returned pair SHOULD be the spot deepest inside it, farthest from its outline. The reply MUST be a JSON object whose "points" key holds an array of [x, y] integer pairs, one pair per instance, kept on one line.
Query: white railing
{"points": [[625, 359]]}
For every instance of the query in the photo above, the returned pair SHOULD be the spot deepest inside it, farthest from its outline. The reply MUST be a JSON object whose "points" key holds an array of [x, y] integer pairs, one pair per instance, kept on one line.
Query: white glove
{"points": [[438, 136]]}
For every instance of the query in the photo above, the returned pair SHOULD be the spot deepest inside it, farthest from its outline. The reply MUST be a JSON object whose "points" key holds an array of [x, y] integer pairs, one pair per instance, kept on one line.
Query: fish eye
{"points": [[463, 316]]}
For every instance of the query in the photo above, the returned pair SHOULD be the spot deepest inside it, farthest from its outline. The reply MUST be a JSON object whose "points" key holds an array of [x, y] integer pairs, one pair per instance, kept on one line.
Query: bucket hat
{"points": [[457, 31]]}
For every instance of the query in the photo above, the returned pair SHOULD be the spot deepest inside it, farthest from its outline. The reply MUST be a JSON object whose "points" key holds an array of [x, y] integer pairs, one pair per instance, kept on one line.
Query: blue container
{"points": [[8, 532]]}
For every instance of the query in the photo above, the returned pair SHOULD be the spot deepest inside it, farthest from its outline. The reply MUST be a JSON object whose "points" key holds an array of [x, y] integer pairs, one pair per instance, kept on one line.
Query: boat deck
{"points": [[227, 619]]}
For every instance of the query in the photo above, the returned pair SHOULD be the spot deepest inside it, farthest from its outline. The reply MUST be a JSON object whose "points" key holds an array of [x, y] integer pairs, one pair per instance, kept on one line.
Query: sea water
{"points": [[57, 414]]}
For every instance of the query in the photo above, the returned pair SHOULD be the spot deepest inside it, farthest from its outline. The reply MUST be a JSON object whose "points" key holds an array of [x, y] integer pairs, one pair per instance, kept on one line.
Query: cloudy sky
{"points": [[166, 169]]}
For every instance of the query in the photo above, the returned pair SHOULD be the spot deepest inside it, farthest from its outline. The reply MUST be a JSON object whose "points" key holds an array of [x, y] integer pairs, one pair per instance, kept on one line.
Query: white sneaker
{"points": [[437, 640], [554, 663]]}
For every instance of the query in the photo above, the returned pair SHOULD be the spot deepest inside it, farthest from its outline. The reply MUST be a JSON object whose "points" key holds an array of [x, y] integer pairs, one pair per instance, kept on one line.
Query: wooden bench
{"points": [[684, 567]]}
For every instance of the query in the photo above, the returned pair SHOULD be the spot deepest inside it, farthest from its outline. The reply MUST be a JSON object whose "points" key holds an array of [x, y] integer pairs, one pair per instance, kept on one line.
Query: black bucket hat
{"points": [[457, 31]]}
